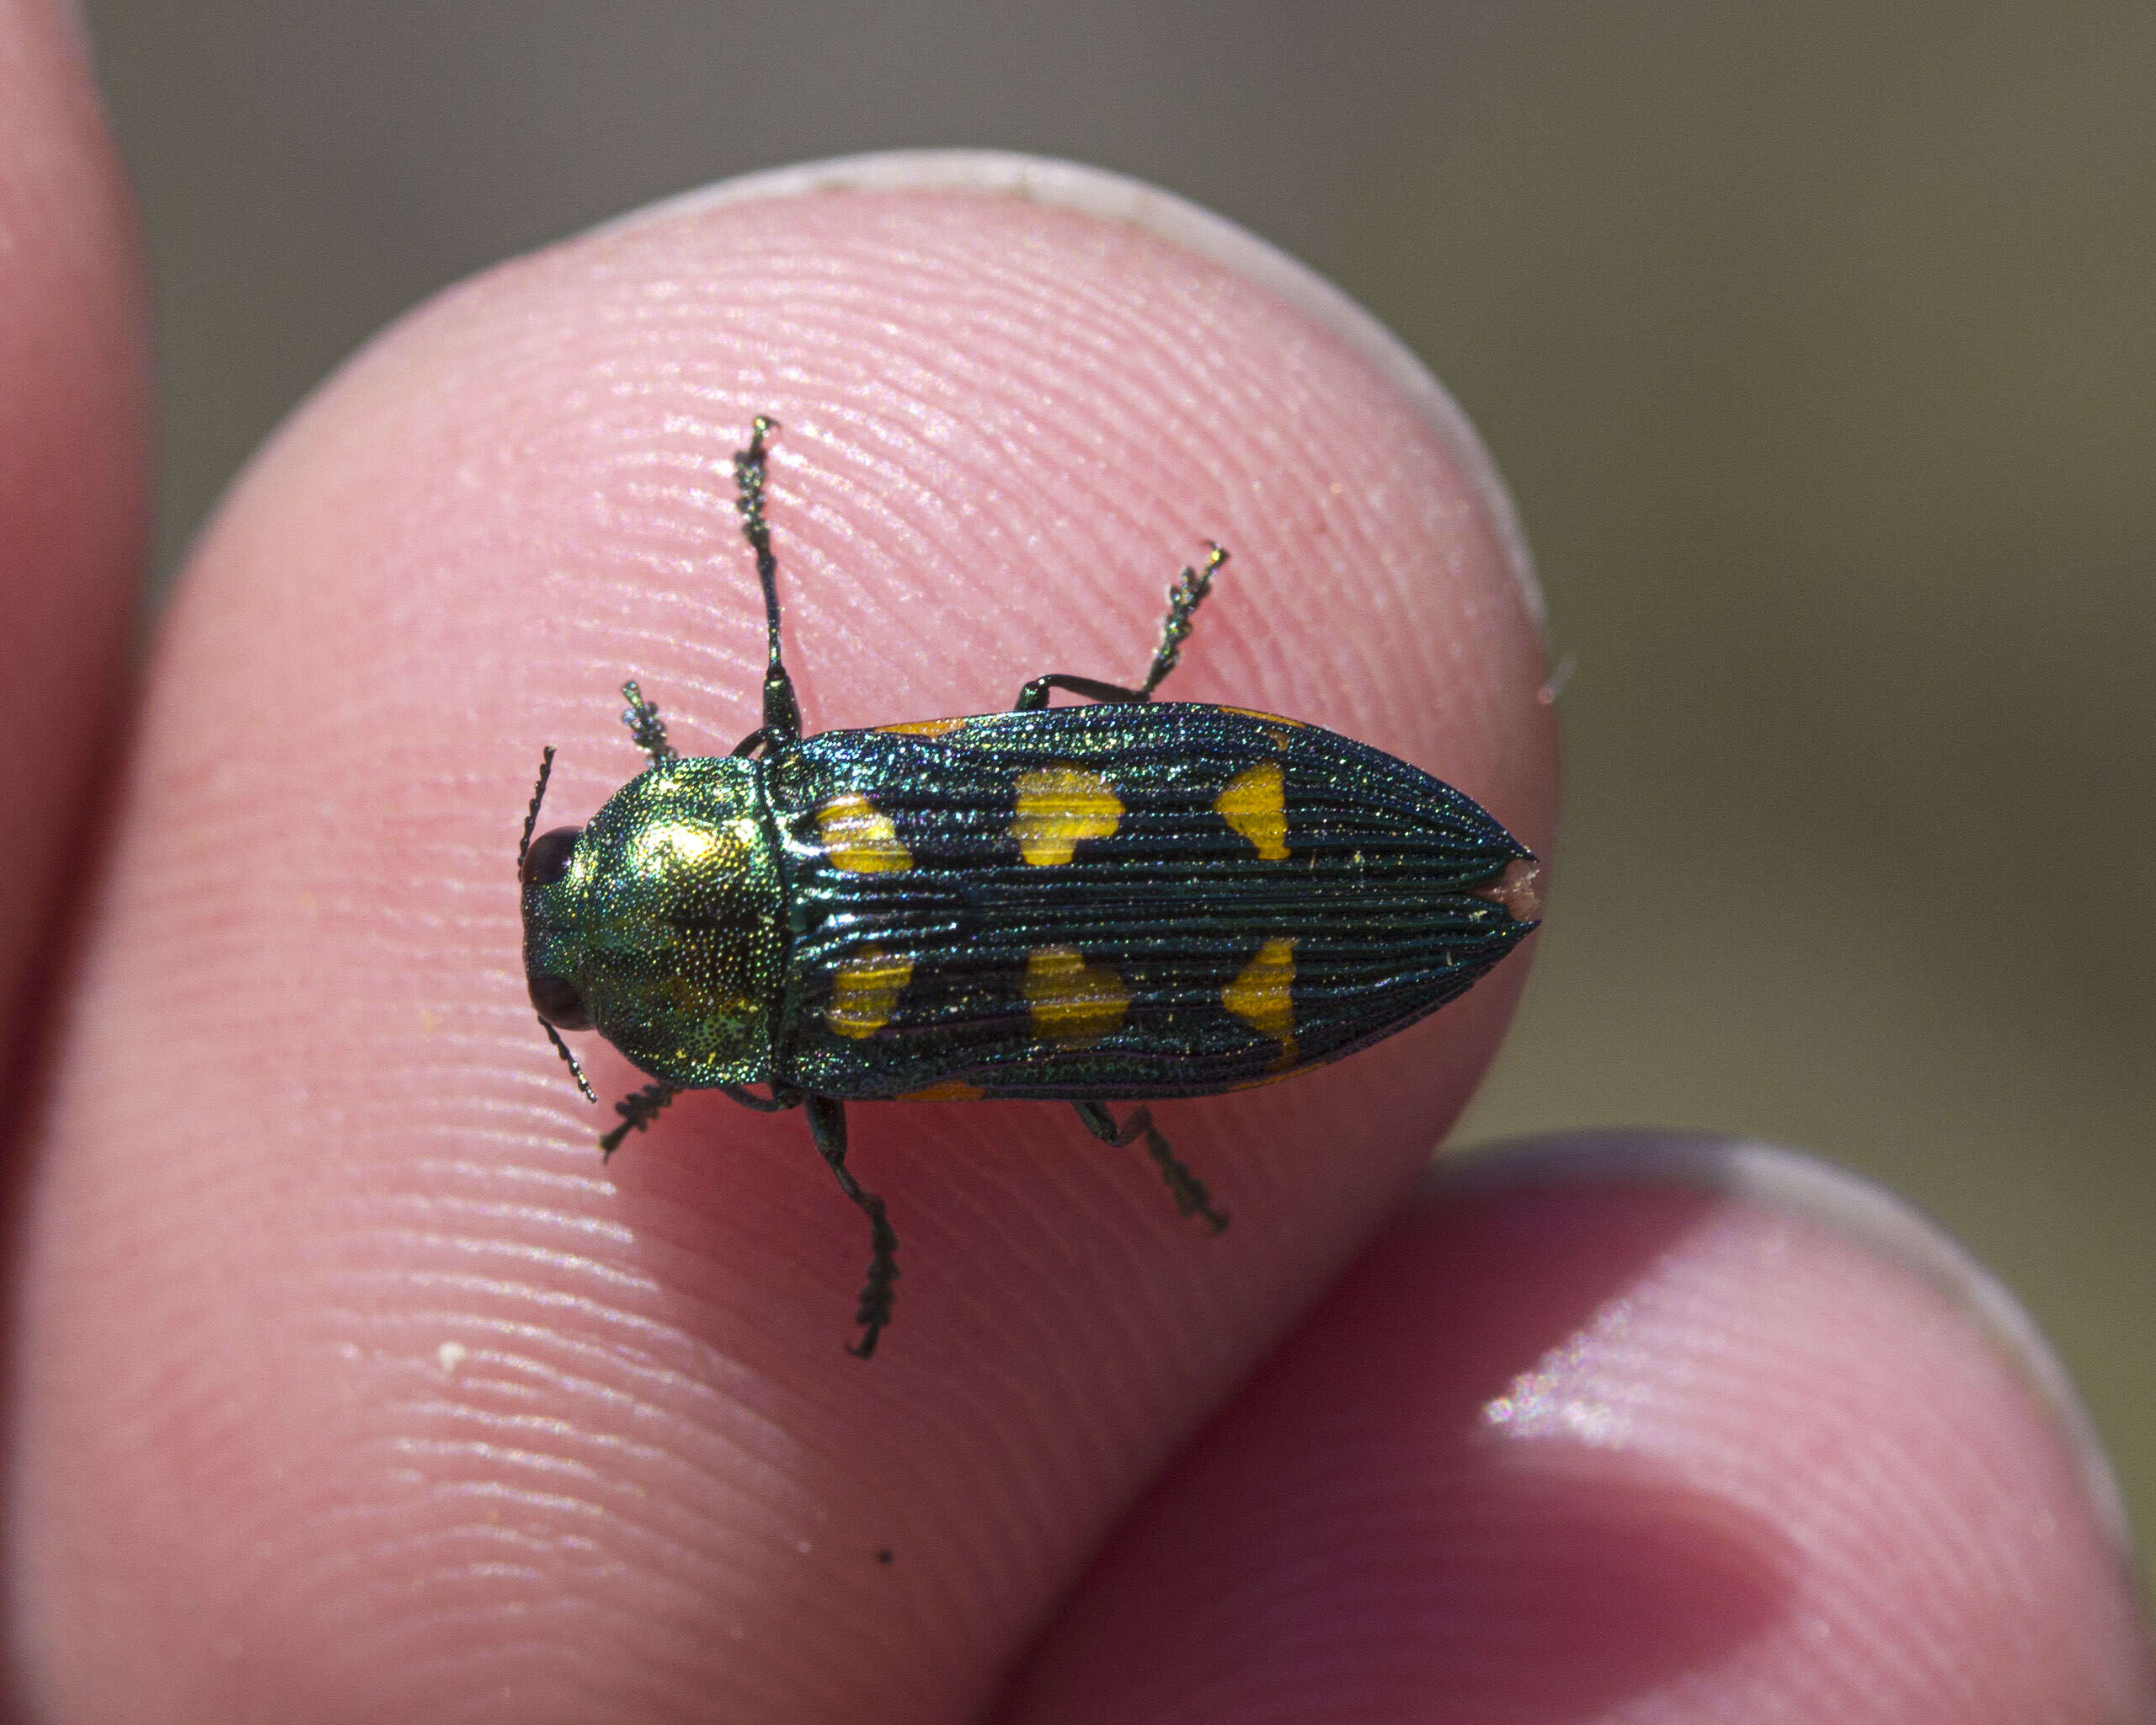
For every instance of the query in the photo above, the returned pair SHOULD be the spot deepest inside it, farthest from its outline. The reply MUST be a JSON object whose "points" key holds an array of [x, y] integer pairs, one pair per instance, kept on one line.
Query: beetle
{"points": [[1123, 900]]}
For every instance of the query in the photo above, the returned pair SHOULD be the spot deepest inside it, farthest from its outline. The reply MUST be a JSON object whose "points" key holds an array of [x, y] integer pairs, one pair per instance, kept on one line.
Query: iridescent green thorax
{"points": [[668, 922]]}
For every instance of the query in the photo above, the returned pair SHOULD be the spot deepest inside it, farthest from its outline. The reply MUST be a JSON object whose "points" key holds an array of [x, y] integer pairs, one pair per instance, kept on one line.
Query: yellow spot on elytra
{"points": [[1059, 806], [924, 726], [951, 1090], [1074, 1004], [865, 991], [1259, 996], [859, 837], [1293, 724], [1254, 804]]}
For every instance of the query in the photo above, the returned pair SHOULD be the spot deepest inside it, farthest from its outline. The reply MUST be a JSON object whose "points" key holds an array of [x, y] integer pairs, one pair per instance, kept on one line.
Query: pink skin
{"points": [[347, 1383], [1672, 1458], [74, 465]]}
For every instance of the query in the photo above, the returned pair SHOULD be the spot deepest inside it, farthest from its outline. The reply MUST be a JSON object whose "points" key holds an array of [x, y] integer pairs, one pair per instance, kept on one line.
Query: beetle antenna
{"points": [[531, 815], [1183, 599], [524, 850], [576, 1071]]}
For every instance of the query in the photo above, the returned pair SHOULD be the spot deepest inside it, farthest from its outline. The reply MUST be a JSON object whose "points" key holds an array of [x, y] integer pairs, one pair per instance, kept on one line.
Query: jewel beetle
{"points": [[1114, 900]]}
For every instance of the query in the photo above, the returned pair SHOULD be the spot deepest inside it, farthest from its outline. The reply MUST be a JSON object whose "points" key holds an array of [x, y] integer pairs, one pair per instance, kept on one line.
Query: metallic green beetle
{"points": [[1123, 899]]}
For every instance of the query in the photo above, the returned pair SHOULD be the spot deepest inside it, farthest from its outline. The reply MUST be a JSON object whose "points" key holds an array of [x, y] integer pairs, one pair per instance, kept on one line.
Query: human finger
{"points": [[74, 467], [362, 1382], [1641, 1427]]}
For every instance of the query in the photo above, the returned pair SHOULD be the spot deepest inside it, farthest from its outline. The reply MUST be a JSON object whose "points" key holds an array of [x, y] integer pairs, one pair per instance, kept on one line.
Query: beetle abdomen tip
{"points": [[1519, 890]]}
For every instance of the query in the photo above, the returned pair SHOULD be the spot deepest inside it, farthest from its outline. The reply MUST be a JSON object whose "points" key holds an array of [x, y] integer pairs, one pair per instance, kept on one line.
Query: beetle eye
{"points": [[557, 1002], [548, 859]]}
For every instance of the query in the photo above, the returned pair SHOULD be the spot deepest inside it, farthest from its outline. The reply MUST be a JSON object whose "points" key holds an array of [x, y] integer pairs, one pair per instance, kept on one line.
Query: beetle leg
{"points": [[646, 730], [1189, 1191], [827, 1122], [1034, 696], [1184, 598], [781, 712], [637, 1111], [777, 1102]]}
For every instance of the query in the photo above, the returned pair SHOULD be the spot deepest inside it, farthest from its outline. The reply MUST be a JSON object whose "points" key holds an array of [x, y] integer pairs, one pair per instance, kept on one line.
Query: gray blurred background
{"points": [[1816, 343]]}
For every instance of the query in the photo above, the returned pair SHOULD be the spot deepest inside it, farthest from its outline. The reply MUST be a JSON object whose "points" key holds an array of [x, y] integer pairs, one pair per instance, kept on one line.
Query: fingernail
{"points": [[1114, 197], [1886, 1226]]}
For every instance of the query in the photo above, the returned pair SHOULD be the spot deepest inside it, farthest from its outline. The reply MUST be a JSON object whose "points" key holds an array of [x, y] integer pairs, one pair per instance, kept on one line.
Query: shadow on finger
{"points": [[1558, 1453]]}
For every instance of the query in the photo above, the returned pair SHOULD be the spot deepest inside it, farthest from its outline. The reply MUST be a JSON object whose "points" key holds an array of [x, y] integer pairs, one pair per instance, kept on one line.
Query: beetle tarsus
{"points": [[646, 730], [637, 1111], [1184, 598], [879, 1292], [1191, 1197], [827, 1123]]}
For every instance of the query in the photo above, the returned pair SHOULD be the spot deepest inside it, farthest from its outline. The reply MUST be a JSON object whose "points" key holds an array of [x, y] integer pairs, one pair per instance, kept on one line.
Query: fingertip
{"points": [[1006, 424], [1571, 1447], [1867, 1217], [74, 453], [1191, 228]]}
